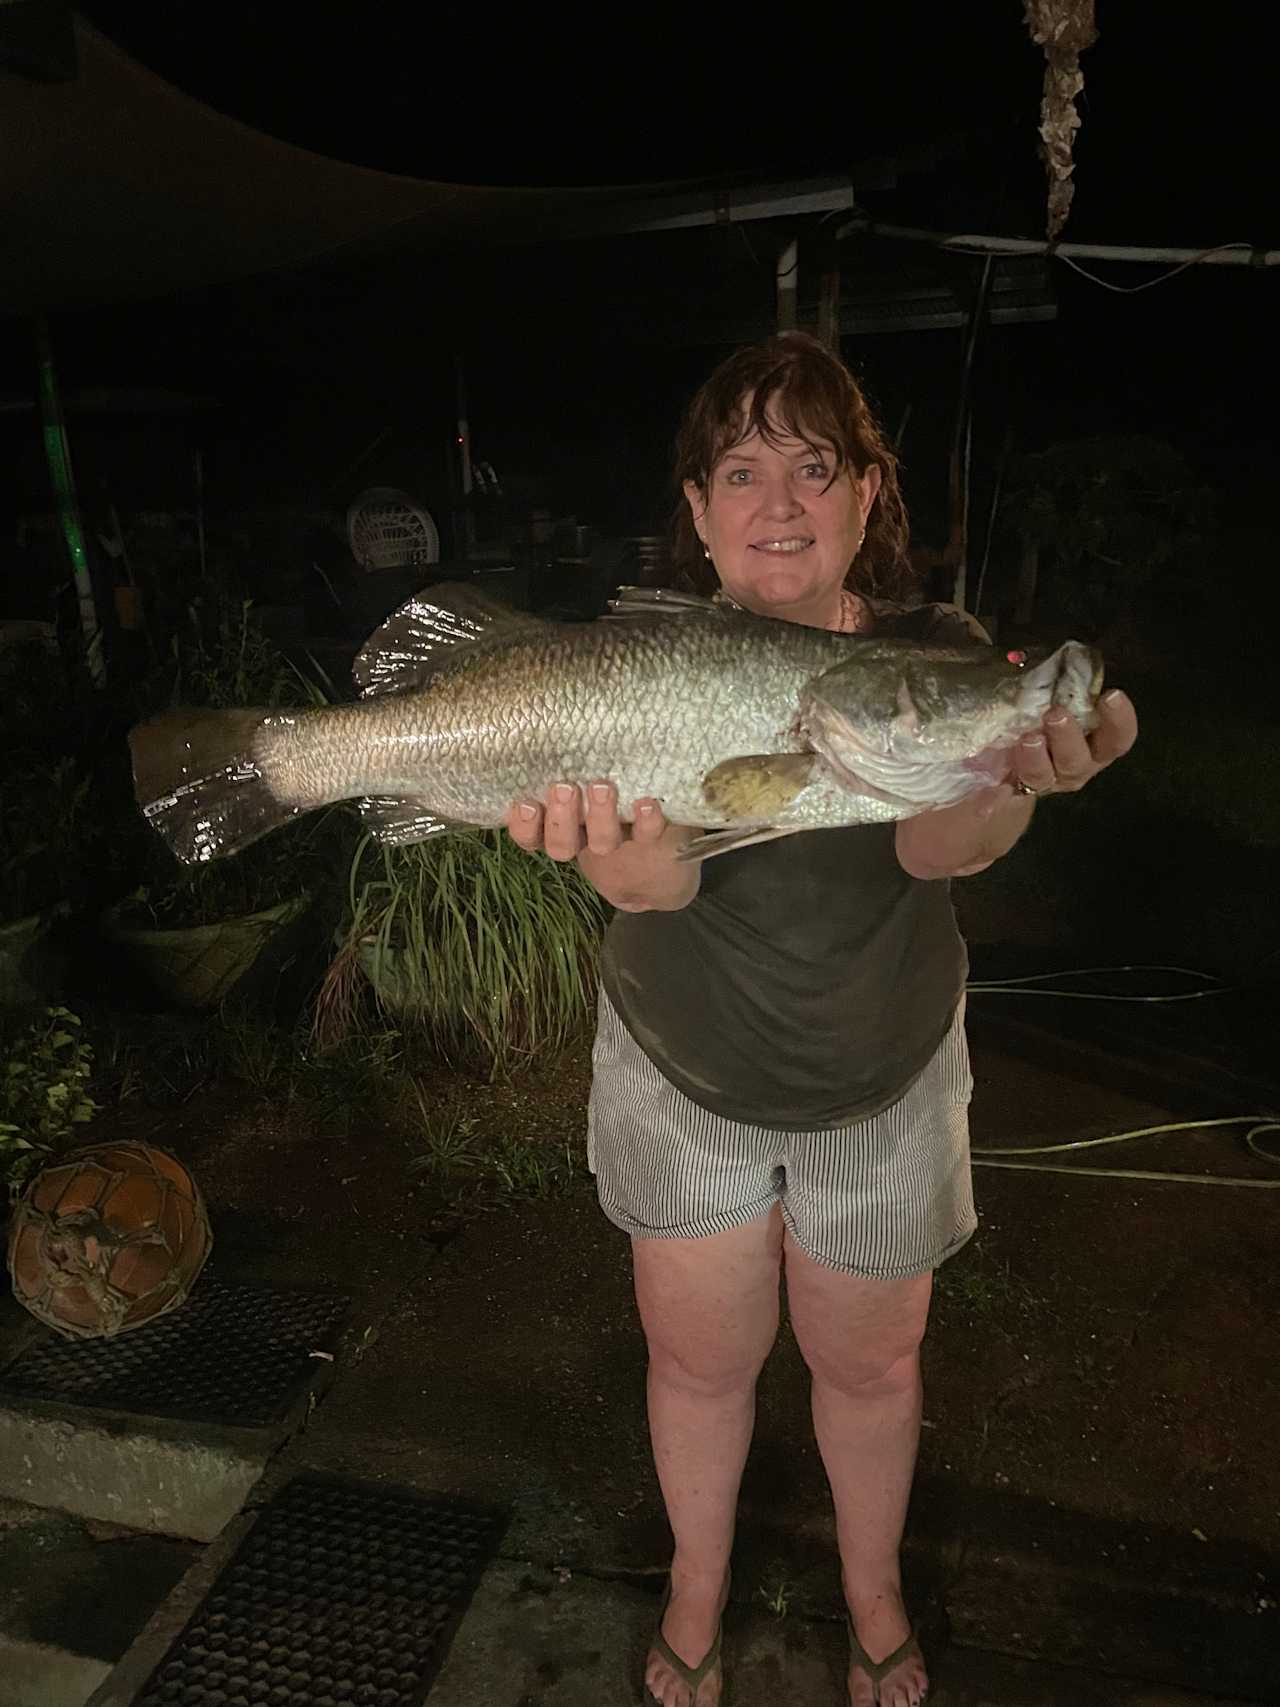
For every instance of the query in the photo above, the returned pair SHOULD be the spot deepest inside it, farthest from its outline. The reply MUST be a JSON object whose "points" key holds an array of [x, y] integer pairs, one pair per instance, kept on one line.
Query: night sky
{"points": [[1176, 146]]}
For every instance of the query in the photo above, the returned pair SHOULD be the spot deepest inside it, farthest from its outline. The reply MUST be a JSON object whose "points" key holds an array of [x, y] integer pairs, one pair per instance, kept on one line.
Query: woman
{"points": [[781, 1080]]}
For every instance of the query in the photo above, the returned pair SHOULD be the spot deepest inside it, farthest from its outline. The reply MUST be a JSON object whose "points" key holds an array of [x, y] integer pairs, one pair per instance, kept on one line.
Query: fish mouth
{"points": [[786, 545]]}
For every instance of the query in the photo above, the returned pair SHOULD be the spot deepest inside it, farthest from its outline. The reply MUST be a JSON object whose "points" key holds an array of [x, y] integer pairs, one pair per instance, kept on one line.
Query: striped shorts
{"points": [[884, 1197]]}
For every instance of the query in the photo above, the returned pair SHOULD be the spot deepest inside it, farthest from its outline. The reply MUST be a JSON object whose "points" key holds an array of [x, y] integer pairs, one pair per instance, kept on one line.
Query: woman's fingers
{"points": [[562, 821], [1061, 759], [604, 832], [1117, 727], [524, 825], [575, 818], [649, 821]]}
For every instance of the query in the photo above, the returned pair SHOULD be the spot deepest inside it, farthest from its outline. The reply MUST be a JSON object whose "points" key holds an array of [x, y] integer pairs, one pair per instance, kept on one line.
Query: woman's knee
{"points": [[868, 1371], [857, 1334], [700, 1364]]}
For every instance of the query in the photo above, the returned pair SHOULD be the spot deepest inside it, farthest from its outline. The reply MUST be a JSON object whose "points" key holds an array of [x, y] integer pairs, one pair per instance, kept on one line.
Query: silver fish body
{"points": [[735, 723]]}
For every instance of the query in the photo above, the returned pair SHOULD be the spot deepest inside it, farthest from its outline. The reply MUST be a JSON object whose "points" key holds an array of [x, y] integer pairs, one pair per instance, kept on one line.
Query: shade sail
{"points": [[117, 186]]}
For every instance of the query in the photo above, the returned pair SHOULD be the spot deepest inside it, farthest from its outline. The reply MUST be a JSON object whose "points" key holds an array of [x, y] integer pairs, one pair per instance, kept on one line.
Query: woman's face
{"points": [[781, 531]]}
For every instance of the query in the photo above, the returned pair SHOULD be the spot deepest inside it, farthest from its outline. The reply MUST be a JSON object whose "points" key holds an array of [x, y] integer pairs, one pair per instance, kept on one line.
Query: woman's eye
{"points": [[738, 476], [816, 470]]}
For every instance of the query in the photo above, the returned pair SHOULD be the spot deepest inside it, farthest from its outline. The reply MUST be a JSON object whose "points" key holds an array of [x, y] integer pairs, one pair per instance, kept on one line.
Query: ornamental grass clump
{"points": [[483, 951]]}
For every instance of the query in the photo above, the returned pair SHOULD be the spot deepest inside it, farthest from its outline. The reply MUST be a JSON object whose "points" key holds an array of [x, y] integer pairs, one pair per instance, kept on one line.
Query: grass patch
{"points": [[775, 1592], [502, 1168], [983, 1289]]}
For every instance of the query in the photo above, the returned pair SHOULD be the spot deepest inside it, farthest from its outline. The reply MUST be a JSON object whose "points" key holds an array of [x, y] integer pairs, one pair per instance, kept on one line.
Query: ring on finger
{"points": [[1024, 788]]}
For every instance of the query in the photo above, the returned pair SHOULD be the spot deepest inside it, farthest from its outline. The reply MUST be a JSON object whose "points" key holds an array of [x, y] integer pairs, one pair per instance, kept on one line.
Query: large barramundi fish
{"points": [[740, 725]]}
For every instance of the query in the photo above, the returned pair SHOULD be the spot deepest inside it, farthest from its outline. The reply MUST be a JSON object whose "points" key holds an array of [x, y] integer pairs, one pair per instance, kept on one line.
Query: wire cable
{"points": [[1024, 986], [1129, 290], [1257, 1124], [998, 1156]]}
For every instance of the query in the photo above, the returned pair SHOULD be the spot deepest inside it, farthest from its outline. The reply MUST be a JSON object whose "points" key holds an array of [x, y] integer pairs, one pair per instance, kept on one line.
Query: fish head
{"points": [[929, 724]]}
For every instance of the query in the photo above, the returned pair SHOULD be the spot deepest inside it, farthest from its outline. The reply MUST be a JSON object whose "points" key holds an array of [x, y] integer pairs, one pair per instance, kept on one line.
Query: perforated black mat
{"points": [[237, 1355], [343, 1594]]}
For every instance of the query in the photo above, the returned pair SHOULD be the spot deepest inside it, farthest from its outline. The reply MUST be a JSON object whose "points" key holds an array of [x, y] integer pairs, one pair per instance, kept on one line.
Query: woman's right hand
{"points": [[632, 865]]}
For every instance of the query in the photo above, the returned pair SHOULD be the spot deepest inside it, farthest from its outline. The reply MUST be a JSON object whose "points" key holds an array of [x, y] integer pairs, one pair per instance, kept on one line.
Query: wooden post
{"points": [[199, 466], [961, 445], [1024, 608], [829, 303], [787, 281], [467, 530], [992, 513]]}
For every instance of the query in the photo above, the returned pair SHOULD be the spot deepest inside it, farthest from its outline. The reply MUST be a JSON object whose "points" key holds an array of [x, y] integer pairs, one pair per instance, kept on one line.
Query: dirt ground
{"points": [[1098, 1483]]}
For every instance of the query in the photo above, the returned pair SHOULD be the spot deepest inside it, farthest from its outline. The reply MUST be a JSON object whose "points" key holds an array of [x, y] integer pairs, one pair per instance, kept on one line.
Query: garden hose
{"points": [[1025, 986], [1257, 1124]]}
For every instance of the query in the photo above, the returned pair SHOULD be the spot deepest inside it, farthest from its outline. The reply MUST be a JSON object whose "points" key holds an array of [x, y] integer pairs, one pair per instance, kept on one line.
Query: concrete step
{"points": [[156, 1473], [143, 1473], [73, 1595]]}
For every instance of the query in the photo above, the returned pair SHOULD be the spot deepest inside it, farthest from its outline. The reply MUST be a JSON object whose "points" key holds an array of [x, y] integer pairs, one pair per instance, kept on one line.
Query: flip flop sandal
{"points": [[877, 1673], [692, 1677]]}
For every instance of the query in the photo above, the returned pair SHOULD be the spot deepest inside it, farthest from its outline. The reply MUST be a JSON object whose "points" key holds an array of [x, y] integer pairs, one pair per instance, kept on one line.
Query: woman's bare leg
{"points": [[861, 1339], [710, 1313]]}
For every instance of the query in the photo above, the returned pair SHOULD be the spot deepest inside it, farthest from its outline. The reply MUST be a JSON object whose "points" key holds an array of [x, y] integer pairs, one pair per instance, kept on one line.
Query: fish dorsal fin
{"points": [[661, 601], [428, 628]]}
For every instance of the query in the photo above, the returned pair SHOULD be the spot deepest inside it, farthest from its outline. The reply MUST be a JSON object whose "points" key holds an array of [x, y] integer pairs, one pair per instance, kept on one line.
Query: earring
{"points": [[706, 552]]}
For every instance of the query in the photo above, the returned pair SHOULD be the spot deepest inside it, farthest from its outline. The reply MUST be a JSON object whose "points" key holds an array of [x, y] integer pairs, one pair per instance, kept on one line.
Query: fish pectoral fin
{"points": [[428, 628], [758, 785], [724, 841], [396, 821]]}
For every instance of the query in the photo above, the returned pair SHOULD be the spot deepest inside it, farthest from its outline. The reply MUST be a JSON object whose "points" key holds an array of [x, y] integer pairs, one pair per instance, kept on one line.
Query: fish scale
{"points": [[572, 707]]}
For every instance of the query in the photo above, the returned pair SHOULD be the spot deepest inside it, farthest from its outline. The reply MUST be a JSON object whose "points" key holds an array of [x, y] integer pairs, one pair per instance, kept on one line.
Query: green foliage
{"points": [[43, 1090], [1111, 516], [776, 1591], [978, 1286], [485, 951], [505, 1168], [51, 819], [362, 1078], [287, 863], [220, 658], [45, 832]]}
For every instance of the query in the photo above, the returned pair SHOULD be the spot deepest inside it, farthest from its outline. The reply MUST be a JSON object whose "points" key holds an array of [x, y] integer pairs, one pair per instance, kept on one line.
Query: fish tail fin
{"points": [[199, 783]]}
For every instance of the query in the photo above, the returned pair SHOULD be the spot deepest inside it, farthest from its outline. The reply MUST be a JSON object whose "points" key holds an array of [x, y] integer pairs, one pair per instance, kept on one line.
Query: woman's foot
{"points": [[683, 1668], [880, 1626]]}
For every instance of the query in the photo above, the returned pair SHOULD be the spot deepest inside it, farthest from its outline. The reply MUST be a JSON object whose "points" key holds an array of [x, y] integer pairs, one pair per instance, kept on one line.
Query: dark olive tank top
{"points": [[810, 980]]}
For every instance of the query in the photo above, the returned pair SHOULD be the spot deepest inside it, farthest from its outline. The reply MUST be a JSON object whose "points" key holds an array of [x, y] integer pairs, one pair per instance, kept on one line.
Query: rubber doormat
{"points": [[343, 1594], [237, 1355]]}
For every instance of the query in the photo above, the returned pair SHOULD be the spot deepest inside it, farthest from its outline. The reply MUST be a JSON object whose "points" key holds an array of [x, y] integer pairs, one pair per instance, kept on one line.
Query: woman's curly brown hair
{"points": [[797, 389]]}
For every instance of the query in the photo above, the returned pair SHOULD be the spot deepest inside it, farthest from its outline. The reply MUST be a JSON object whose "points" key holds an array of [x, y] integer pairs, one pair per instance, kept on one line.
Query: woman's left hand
{"points": [[956, 841], [1062, 758]]}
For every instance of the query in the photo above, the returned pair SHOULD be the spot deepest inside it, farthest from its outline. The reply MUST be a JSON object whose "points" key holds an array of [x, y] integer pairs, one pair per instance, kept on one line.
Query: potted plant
{"points": [[488, 953], [193, 933]]}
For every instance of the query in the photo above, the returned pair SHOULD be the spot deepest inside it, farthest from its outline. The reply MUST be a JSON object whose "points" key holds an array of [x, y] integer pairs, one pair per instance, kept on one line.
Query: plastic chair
{"points": [[387, 530]]}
